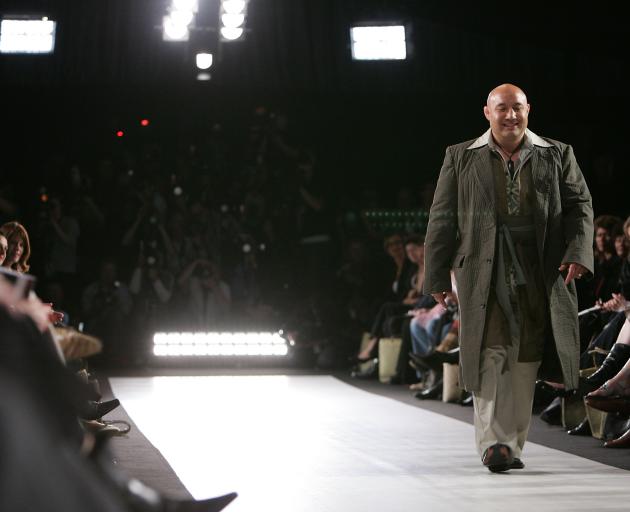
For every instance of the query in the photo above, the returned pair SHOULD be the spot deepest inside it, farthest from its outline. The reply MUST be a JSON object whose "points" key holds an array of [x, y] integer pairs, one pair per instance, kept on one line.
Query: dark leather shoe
{"points": [[498, 458], [466, 399], [431, 393], [583, 429], [554, 391], [517, 464]]}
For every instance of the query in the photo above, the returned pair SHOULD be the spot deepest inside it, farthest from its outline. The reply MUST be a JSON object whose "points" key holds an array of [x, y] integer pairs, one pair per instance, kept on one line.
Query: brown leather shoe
{"points": [[612, 403], [498, 458], [620, 442]]}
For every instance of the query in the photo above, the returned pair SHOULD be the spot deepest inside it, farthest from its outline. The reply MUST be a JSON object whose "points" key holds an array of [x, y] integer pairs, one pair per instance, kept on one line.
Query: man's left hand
{"points": [[576, 271]]}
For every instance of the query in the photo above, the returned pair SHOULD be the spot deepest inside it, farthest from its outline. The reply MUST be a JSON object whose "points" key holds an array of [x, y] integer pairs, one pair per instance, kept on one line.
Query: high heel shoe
{"points": [[621, 442], [431, 393], [612, 403], [583, 429], [96, 410]]}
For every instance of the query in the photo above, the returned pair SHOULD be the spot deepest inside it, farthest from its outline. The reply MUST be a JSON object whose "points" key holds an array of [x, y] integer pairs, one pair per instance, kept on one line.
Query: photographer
{"points": [[210, 297]]}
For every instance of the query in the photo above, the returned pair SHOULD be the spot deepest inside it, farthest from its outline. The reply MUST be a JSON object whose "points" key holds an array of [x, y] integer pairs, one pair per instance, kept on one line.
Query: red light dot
{"points": [[119, 133], [144, 122]]}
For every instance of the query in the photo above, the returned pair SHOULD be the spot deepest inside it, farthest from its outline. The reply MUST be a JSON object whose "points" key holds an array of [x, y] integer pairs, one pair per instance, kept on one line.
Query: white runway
{"points": [[315, 444]]}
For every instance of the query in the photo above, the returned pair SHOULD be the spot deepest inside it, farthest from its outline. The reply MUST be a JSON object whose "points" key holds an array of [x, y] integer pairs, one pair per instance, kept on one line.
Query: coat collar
{"points": [[535, 140]]}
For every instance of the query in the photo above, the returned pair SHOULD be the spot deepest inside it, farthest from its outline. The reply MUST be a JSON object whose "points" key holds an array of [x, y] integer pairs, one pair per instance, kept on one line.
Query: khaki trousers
{"points": [[503, 404]]}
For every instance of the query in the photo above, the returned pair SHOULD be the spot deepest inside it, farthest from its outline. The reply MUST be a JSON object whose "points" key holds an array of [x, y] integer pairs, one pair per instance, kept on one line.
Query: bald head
{"points": [[505, 89], [507, 111]]}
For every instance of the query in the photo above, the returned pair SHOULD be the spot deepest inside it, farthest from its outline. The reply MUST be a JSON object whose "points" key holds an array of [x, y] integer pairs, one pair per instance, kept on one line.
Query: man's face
{"points": [[507, 111]]}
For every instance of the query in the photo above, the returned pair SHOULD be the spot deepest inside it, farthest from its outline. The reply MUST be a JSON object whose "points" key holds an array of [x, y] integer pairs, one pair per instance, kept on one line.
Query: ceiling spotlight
{"points": [[232, 20], [27, 35], [233, 6], [174, 30], [231, 33], [203, 60], [203, 77], [186, 5]]}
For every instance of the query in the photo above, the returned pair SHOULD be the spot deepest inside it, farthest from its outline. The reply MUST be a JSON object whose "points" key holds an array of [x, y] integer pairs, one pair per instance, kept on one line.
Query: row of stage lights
{"points": [[181, 15], [219, 344]]}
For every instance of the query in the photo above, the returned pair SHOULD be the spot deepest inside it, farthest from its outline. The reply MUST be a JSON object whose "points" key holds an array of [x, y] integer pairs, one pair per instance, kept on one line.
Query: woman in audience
{"points": [[19, 246], [4, 247], [407, 285]]}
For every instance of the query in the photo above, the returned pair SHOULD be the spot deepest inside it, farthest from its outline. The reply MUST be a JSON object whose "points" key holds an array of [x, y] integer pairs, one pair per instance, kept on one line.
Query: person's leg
{"points": [[615, 360], [493, 402], [523, 386]]}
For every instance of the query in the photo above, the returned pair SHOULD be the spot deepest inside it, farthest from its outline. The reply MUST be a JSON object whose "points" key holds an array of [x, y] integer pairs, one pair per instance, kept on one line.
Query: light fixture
{"points": [[203, 60], [232, 20], [378, 42], [232, 16], [181, 14], [234, 6], [173, 31], [27, 35], [231, 34], [219, 344]]}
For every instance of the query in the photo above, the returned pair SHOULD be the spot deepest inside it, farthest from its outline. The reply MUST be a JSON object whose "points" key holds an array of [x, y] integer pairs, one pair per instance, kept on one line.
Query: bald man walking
{"points": [[512, 216]]}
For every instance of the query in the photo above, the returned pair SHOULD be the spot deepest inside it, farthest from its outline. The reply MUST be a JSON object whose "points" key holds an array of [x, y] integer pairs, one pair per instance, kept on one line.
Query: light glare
{"points": [[27, 36], [219, 344], [233, 6], [173, 31], [232, 20], [231, 33], [203, 60], [378, 43]]}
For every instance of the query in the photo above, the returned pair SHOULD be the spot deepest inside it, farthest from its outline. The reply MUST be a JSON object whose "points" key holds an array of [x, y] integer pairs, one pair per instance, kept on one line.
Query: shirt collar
{"points": [[531, 139]]}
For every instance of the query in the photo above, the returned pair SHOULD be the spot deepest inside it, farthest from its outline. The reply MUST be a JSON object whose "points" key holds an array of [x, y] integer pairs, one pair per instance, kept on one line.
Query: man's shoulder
{"points": [[456, 148]]}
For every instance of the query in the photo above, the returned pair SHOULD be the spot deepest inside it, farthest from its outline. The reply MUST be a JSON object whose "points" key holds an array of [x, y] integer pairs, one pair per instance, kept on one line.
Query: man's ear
{"points": [[486, 112]]}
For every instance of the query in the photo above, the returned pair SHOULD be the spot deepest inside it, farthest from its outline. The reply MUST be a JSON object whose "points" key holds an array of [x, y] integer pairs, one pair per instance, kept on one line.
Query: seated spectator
{"points": [[19, 246], [106, 305]]}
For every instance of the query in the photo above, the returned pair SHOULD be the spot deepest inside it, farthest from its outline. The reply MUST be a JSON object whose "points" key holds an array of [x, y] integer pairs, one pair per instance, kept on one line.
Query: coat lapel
{"points": [[482, 170]]}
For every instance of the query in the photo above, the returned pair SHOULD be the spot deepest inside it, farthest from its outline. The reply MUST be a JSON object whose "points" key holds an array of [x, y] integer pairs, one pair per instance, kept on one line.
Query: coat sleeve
{"points": [[577, 213], [441, 237]]}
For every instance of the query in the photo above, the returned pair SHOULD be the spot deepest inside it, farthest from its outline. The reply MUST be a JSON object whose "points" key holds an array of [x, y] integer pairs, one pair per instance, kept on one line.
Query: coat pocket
{"points": [[458, 261]]}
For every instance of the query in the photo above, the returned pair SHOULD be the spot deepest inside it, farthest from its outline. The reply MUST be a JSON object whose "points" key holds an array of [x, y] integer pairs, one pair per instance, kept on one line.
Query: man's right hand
{"points": [[442, 297]]}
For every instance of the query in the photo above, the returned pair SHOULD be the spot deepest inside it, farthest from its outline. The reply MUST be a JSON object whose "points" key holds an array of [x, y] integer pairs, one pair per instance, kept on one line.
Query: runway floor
{"points": [[297, 443]]}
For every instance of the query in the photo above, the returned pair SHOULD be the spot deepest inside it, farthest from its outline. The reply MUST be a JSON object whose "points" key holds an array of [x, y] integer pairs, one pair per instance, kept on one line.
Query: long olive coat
{"points": [[462, 234]]}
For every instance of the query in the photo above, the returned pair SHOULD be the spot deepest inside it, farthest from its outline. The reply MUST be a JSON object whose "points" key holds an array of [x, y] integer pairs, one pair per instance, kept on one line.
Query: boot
{"points": [[616, 358]]}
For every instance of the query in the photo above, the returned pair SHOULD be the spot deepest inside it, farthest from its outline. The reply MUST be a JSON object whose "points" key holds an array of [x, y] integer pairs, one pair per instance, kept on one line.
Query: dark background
{"points": [[367, 120]]}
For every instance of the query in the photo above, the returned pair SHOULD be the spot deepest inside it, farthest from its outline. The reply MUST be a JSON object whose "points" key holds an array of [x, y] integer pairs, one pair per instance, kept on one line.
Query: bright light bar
{"points": [[27, 36], [378, 43], [219, 344]]}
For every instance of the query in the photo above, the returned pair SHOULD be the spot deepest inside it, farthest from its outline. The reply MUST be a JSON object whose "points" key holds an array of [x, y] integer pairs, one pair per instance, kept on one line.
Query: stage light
{"points": [[234, 6], [232, 20], [203, 77], [231, 34], [185, 5], [172, 31], [24, 35], [232, 15], [378, 42], [203, 60], [144, 122], [120, 133], [219, 344]]}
